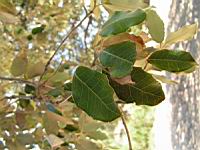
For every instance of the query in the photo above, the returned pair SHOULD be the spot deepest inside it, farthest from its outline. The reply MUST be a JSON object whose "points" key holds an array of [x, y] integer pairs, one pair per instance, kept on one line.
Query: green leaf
{"points": [[121, 21], [55, 92], [92, 93], [172, 60], [19, 65], [68, 86], [120, 58], [25, 139], [144, 91], [53, 109], [155, 26], [185, 33], [29, 89], [38, 29]]}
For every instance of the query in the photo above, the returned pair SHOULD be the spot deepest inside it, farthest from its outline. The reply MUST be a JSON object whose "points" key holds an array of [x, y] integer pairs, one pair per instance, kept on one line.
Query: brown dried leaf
{"points": [[124, 80]]}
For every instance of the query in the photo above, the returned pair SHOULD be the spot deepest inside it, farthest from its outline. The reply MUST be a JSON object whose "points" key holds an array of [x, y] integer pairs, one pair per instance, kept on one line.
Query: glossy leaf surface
{"points": [[145, 90], [121, 21], [93, 94], [172, 60], [119, 58]]}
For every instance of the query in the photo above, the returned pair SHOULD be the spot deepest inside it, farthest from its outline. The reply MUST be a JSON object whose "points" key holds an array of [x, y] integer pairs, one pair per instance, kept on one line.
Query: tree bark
{"points": [[185, 97]]}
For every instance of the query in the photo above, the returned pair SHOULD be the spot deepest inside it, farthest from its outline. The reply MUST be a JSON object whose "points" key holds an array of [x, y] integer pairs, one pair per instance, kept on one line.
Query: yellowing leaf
{"points": [[124, 80], [19, 65], [185, 33], [122, 37], [34, 70], [125, 5], [97, 11], [155, 26], [163, 79], [58, 77]]}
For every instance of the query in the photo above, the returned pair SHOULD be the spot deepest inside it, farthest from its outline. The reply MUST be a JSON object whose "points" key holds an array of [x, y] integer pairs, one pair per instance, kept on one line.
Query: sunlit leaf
{"points": [[19, 65], [164, 79], [121, 21], [35, 69], [155, 26], [185, 33], [119, 58], [172, 60], [58, 77], [92, 93], [145, 90], [125, 5]]}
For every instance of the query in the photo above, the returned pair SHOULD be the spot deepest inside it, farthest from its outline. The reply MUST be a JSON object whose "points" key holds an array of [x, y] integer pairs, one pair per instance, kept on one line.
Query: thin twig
{"points": [[17, 80], [64, 100], [126, 129], [19, 97], [86, 33], [63, 41]]}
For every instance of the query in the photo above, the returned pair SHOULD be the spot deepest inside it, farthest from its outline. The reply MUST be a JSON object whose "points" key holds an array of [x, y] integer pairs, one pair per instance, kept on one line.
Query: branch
{"points": [[63, 41], [19, 97], [126, 129], [17, 80]]}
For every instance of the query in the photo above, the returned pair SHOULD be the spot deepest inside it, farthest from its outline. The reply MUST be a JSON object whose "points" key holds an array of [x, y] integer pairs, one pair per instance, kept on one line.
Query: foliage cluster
{"points": [[55, 82]]}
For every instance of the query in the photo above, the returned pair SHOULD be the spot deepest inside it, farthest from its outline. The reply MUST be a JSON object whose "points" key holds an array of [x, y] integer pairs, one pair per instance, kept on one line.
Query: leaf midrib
{"points": [[95, 95], [123, 59], [172, 60], [116, 21], [145, 91]]}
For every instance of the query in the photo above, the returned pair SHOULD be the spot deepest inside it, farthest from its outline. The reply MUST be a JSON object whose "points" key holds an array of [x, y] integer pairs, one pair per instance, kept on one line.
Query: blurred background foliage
{"points": [[30, 31]]}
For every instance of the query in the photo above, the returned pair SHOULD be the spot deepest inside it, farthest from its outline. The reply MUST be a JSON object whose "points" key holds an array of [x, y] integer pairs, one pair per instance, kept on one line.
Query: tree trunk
{"points": [[185, 97]]}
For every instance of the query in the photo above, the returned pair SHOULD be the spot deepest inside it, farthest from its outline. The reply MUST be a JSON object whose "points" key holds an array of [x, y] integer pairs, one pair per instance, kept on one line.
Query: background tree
{"points": [[185, 97]]}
